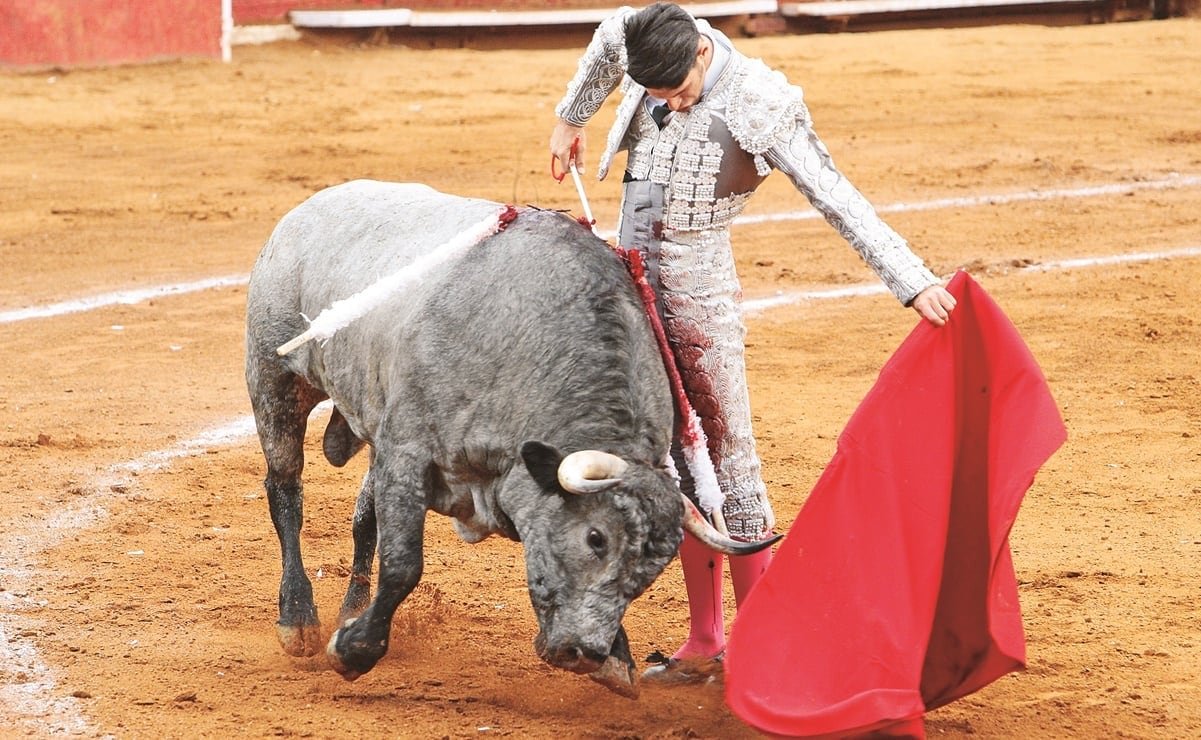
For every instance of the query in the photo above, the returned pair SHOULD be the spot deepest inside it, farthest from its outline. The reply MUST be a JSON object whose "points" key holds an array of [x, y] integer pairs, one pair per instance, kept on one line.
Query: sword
{"points": [[575, 176]]}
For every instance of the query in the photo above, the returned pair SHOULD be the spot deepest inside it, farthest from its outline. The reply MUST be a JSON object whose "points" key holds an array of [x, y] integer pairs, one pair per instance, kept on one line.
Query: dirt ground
{"points": [[138, 566]]}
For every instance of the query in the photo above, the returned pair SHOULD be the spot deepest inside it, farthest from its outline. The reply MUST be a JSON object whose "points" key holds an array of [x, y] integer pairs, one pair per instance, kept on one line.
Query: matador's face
{"points": [[688, 93]]}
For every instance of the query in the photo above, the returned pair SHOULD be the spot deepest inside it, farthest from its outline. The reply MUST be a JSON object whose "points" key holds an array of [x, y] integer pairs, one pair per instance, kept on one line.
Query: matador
{"points": [[703, 125]]}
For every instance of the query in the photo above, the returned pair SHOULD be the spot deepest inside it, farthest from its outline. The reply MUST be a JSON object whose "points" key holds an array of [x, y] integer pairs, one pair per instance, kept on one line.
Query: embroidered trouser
{"points": [[698, 296]]}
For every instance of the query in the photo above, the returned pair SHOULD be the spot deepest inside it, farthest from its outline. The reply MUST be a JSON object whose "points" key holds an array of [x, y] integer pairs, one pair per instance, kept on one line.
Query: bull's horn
{"points": [[700, 528], [590, 471]]}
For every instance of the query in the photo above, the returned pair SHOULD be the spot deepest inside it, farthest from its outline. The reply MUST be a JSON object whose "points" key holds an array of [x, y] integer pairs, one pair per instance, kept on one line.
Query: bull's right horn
{"points": [[700, 528], [590, 471]]}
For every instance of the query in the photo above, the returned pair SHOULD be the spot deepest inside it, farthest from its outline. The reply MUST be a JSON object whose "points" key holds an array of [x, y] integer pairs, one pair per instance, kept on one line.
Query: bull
{"points": [[517, 389]]}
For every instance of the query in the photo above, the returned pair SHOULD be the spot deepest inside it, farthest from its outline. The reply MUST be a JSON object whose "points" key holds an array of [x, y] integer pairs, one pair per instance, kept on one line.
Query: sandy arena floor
{"points": [[138, 566]]}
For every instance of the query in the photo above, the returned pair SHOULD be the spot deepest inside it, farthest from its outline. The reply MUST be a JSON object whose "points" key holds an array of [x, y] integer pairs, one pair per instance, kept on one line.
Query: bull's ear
{"points": [[542, 460]]}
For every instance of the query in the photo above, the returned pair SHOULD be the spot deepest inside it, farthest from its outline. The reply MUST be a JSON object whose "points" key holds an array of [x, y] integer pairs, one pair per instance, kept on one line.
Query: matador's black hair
{"points": [[661, 41]]}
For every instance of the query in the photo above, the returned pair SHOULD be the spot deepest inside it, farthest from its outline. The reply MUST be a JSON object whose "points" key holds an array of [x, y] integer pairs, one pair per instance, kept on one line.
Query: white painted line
{"points": [[28, 698], [31, 703], [124, 297], [758, 305], [1114, 259], [229, 434], [234, 432], [1174, 180], [105, 300], [28, 693], [1167, 183]]}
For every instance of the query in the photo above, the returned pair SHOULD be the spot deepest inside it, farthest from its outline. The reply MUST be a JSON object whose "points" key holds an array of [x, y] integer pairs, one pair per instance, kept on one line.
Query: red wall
{"points": [[38, 33], [46, 33]]}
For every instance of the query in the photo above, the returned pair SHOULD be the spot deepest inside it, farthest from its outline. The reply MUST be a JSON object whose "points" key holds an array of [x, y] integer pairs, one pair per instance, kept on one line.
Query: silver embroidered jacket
{"points": [[711, 158]]}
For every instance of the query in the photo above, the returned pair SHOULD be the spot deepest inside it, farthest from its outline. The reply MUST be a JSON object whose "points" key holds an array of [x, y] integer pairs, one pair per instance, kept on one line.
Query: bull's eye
{"points": [[597, 541]]}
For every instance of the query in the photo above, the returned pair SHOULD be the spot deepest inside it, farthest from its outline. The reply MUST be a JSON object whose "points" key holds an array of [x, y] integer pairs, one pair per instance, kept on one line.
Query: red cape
{"points": [[894, 592]]}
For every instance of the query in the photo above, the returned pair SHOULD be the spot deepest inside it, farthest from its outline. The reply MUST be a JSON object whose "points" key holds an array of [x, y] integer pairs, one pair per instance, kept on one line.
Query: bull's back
{"points": [[523, 320], [343, 239], [534, 328]]}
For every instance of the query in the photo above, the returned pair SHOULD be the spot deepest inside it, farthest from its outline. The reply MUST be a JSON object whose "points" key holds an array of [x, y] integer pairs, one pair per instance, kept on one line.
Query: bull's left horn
{"points": [[700, 528], [590, 471]]}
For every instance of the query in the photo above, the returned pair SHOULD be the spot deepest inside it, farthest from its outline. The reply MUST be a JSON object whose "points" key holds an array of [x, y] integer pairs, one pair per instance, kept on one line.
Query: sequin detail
{"points": [[598, 73]]}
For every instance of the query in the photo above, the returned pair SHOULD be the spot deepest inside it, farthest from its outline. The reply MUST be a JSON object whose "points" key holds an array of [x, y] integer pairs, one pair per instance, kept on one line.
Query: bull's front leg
{"points": [[399, 483]]}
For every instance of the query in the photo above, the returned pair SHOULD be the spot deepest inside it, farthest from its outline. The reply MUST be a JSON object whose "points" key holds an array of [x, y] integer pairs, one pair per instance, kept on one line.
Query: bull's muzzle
{"points": [[569, 655]]}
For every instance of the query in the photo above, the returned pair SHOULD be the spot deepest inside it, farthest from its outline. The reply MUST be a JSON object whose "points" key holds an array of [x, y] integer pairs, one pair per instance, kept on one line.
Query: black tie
{"points": [[659, 112]]}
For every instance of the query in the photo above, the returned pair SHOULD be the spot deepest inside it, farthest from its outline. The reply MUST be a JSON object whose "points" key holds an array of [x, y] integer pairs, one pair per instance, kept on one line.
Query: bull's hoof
{"points": [[352, 658], [618, 677], [299, 642], [335, 660]]}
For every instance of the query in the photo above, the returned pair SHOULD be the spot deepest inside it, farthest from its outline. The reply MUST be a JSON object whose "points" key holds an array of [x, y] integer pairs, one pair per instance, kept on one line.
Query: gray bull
{"points": [[470, 389]]}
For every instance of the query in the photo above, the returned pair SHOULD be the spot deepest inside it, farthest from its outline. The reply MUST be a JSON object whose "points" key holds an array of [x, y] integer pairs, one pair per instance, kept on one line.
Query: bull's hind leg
{"points": [[282, 402], [358, 591], [400, 483]]}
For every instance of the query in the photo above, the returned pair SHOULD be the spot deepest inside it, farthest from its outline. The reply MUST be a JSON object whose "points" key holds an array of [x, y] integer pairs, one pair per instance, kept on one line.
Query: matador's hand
{"points": [[934, 304], [562, 139]]}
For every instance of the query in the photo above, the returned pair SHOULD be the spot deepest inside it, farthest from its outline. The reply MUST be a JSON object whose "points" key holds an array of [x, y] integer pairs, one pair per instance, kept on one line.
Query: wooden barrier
{"points": [[276, 11], [868, 15], [66, 33], [490, 14]]}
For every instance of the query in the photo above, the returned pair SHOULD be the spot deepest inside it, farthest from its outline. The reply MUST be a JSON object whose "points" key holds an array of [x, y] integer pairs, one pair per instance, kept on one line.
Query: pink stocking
{"points": [[702, 579], [745, 571]]}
